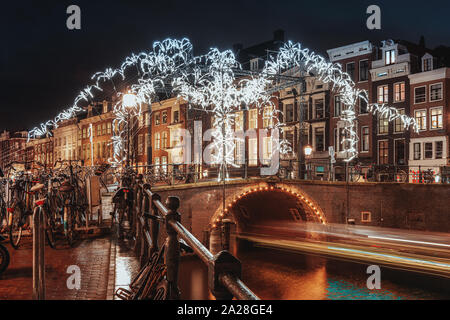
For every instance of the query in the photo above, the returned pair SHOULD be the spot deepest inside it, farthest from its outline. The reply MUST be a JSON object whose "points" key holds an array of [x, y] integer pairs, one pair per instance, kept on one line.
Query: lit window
{"points": [[267, 150], [252, 152], [267, 117], [253, 119], [390, 56], [239, 121], [436, 118], [383, 152], [383, 124], [157, 140], [383, 94], [366, 216], [398, 125], [399, 92], [421, 119], [157, 118], [164, 117], [417, 151], [164, 140]]}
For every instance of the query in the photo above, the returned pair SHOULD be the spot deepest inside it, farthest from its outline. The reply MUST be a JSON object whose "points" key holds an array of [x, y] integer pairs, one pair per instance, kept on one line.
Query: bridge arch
{"points": [[265, 201]]}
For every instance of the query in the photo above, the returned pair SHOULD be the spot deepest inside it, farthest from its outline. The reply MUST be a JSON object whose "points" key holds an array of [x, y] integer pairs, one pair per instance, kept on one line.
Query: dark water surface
{"points": [[276, 274]]}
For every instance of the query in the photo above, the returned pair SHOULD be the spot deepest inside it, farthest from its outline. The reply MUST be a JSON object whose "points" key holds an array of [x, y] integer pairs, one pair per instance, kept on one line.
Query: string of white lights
{"points": [[209, 81]]}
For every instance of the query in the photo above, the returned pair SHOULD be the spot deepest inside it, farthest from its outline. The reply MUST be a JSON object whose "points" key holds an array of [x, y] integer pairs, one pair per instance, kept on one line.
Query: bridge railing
{"points": [[224, 270], [316, 169]]}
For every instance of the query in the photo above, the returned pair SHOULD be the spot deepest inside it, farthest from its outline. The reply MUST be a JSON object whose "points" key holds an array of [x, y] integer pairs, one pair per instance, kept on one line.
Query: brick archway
{"points": [[272, 201]]}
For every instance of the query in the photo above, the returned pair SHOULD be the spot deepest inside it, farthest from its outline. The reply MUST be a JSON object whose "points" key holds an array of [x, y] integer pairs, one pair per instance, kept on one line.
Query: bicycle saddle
{"points": [[66, 186], [37, 187]]}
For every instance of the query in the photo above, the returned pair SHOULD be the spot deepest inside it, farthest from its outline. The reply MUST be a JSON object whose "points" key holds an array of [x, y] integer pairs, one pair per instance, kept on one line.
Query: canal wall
{"points": [[394, 205]]}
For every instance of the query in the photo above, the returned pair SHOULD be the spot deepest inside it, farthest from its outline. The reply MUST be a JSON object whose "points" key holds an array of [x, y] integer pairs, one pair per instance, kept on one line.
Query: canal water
{"points": [[283, 275]]}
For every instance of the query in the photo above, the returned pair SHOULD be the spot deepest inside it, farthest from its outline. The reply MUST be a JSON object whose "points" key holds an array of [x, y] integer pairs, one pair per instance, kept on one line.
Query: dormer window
{"points": [[427, 62], [390, 56]]}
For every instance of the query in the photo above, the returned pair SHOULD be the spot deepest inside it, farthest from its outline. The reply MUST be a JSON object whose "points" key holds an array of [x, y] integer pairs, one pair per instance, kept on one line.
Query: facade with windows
{"points": [[429, 148], [94, 134], [390, 86], [356, 60], [168, 138]]}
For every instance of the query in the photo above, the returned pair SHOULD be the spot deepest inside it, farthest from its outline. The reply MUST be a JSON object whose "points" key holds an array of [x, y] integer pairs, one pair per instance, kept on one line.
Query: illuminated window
{"points": [[383, 94], [239, 121], [253, 119], [157, 118], [366, 216], [267, 150], [164, 140], [383, 124], [398, 124], [157, 140], [390, 56], [421, 119], [252, 152], [383, 152], [417, 151], [436, 118], [164, 117], [399, 92], [267, 117]]}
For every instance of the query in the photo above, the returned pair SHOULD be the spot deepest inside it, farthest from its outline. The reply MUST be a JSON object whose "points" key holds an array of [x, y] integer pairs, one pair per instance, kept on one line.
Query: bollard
{"points": [[38, 255], [172, 254]]}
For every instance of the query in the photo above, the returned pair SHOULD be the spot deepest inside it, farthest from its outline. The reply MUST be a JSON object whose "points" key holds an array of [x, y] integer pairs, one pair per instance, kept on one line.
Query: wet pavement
{"points": [[91, 255]]}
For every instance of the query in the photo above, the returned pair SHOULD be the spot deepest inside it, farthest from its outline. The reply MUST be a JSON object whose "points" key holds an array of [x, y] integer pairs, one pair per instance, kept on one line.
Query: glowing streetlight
{"points": [[129, 100], [308, 150]]}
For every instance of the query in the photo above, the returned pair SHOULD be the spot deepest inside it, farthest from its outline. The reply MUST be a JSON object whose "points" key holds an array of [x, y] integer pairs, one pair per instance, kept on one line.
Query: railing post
{"points": [[154, 225], [172, 255], [226, 230], [38, 255], [144, 246]]}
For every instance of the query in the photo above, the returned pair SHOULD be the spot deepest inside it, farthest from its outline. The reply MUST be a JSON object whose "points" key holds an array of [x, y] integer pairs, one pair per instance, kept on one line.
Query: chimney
{"points": [[278, 35]]}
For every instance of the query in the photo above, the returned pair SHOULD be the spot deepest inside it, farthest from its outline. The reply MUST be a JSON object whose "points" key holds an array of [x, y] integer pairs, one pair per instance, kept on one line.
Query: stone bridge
{"points": [[259, 201]]}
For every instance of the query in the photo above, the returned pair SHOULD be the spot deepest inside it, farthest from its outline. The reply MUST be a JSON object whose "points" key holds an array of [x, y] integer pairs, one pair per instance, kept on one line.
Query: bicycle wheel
{"points": [[69, 226], [4, 258], [162, 290], [15, 229], [50, 229]]}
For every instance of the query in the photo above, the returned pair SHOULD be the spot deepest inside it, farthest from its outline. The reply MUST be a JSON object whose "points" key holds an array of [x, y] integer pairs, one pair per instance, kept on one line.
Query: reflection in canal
{"points": [[281, 275]]}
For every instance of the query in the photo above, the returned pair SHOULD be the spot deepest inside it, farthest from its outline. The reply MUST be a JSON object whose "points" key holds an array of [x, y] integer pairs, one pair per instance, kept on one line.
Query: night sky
{"points": [[44, 65]]}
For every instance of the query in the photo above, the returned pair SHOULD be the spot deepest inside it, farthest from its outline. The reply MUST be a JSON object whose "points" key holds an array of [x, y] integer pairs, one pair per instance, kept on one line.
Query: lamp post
{"points": [[308, 151], [129, 100]]}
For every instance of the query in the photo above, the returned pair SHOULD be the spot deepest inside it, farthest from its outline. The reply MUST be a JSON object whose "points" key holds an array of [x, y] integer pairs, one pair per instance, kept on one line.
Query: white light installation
{"points": [[209, 82]]}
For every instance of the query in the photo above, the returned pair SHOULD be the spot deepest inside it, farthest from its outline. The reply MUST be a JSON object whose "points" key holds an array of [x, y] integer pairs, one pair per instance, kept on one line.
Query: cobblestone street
{"points": [[91, 255]]}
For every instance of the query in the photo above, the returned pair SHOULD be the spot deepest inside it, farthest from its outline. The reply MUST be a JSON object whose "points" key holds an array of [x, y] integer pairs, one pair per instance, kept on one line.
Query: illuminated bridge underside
{"points": [[266, 206]]}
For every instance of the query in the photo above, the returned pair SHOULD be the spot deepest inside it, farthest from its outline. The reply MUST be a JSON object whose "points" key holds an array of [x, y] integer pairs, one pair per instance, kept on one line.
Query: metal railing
{"points": [[224, 270], [318, 169]]}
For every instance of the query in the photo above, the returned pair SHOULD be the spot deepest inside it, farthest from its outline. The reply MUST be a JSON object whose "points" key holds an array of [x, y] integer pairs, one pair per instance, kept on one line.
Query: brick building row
{"points": [[407, 76]]}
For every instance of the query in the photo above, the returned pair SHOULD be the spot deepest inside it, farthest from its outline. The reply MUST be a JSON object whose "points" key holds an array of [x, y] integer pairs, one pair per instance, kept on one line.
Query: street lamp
{"points": [[308, 151], [129, 100]]}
